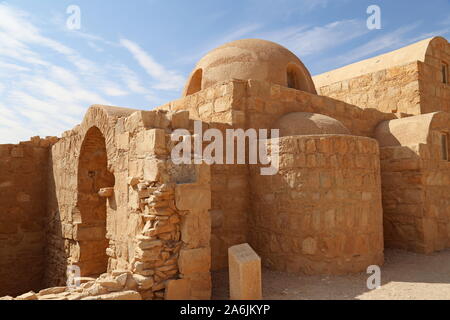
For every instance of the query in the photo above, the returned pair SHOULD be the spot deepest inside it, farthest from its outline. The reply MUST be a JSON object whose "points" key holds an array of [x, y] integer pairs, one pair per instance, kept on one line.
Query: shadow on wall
{"points": [[55, 253], [23, 176]]}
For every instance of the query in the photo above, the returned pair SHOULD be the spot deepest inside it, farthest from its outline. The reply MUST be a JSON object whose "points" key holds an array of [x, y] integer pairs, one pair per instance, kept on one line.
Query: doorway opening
{"points": [[90, 222]]}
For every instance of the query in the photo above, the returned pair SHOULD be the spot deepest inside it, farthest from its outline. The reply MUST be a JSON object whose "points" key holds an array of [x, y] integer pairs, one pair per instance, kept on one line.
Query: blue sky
{"points": [[138, 53]]}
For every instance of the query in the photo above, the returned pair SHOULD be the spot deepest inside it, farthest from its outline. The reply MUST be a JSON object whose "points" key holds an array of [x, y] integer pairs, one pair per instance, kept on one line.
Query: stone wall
{"points": [[415, 196], [218, 107], [23, 170], [403, 198], [407, 81], [321, 214], [415, 181], [265, 103], [255, 104], [435, 95], [145, 214], [394, 90], [436, 179]]}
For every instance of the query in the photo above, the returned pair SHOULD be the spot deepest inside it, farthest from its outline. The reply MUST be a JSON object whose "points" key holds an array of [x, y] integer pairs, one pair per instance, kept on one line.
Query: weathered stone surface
{"points": [[245, 273], [178, 289], [195, 260], [124, 295]]}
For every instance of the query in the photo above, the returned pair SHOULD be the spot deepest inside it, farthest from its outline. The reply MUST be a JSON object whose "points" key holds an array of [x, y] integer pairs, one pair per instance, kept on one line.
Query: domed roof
{"points": [[303, 123], [250, 59]]}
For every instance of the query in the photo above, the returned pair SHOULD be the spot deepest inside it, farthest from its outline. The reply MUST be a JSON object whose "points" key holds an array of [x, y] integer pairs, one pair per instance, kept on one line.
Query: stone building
{"points": [[363, 164]]}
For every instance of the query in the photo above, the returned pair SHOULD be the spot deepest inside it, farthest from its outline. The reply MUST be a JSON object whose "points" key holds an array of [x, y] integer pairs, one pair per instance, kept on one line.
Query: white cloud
{"points": [[313, 4], [43, 97], [240, 32], [165, 79], [306, 41], [388, 41], [46, 86], [131, 80]]}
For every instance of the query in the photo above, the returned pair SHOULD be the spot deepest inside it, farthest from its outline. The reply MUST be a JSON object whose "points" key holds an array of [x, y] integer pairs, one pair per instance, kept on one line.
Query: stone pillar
{"points": [[245, 273]]}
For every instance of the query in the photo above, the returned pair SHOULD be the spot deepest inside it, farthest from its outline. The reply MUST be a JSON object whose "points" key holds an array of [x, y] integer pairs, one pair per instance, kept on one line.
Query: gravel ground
{"points": [[404, 276]]}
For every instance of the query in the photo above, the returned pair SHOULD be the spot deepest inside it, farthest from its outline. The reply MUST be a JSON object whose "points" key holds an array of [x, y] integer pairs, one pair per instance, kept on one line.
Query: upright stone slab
{"points": [[245, 273]]}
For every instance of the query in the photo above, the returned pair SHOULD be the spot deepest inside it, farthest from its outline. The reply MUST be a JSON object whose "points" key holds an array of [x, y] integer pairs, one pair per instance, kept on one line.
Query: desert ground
{"points": [[404, 276]]}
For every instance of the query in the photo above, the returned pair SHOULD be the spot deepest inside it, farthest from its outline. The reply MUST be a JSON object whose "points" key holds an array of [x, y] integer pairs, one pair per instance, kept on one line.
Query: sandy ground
{"points": [[404, 276]]}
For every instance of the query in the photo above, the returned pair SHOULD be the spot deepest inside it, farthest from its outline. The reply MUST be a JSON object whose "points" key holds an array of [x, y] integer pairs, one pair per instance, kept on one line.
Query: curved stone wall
{"points": [[322, 213]]}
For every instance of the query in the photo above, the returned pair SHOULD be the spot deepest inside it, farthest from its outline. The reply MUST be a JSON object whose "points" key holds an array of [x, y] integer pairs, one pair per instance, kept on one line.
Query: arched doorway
{"points": [[90, 228]]}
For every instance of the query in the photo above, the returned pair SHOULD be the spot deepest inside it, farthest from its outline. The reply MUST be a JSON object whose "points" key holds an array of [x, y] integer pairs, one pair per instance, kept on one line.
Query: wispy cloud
{"points": [[239, 32], [305, 40], [165, 79], [41, 96], [386, 42], [52, 84]]}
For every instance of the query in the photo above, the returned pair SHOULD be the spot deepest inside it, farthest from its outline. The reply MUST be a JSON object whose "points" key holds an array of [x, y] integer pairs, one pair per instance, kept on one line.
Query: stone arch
{"points": [[195, 82], [90, 222], [95, 170], [296, 79]]}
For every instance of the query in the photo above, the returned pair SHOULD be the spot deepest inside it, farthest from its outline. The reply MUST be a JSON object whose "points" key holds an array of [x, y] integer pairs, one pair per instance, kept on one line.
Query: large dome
{"points": [[304, 123], [250, 59]]}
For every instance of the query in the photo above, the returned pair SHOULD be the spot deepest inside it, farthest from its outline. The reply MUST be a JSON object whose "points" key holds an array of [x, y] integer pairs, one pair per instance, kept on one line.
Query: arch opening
{"points": [[195, 84], [90, 225], [296, 78]]}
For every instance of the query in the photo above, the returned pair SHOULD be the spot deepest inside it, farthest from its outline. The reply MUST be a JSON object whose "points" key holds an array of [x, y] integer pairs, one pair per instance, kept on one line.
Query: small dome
{"points": [[303, 123], [250, 59]]}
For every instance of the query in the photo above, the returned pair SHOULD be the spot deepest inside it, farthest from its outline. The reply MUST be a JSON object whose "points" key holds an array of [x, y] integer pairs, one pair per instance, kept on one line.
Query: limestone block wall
{"points": [[23, 170], [436, 180], [220, 107], [321, 214], [435, 95], [403, 197], [153, 221], [408, 80], [265, 103], [392, 90], [415, 181], [254, 104], [77, 217], [415, 196]]}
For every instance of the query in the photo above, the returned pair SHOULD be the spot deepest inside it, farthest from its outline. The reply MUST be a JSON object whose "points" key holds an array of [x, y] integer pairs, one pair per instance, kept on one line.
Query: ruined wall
{"points": [[72, 240], [321, 214], [23, 170], [216, 107], [393, 90], [152, 226], [255, 104]]}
